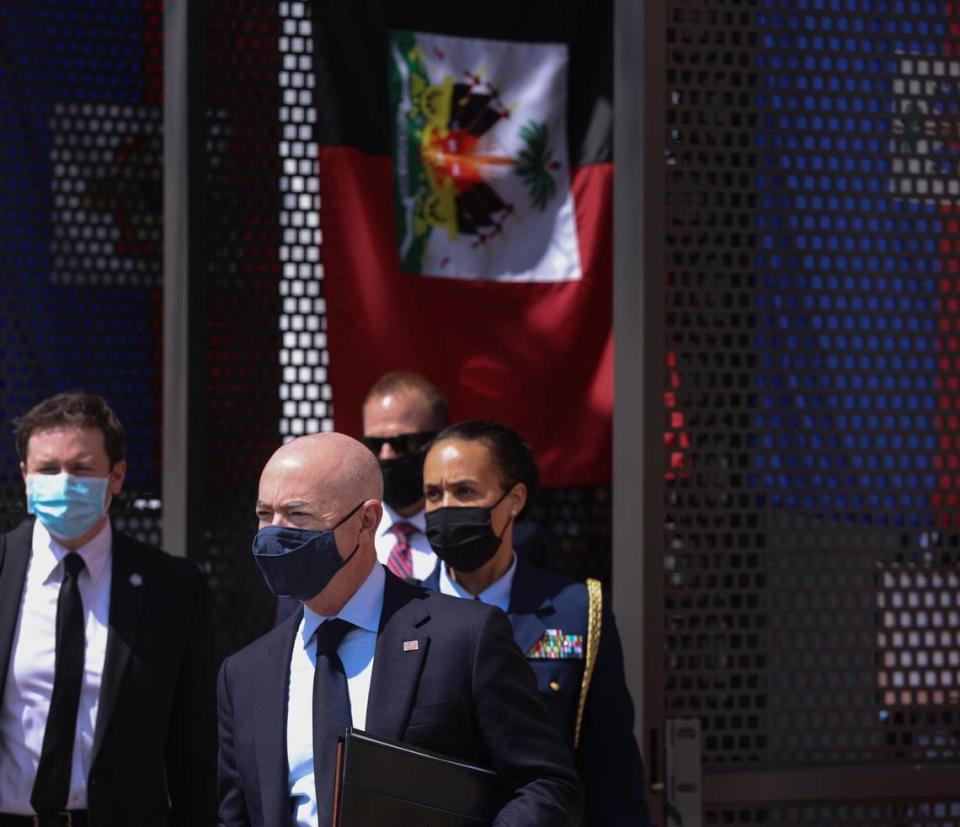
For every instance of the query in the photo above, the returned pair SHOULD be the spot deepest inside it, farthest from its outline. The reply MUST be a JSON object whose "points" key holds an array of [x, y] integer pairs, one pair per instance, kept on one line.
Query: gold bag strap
{"points": [[594, 618]]}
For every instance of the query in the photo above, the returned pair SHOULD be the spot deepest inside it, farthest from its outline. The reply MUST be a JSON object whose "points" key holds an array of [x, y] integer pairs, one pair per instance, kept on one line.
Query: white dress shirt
{"points": [[496, 594], [424, 560], [26, 695], [356, 652]]}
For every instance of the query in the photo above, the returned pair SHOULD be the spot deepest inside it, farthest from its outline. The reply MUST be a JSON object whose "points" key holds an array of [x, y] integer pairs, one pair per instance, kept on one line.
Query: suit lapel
{"points": [[127, 587], [272, 681], [401, 651], [527, 610], [14, 557]]}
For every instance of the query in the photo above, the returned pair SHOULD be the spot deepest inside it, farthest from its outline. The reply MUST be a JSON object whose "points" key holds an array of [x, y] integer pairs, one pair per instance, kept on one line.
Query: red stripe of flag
{"points": [[536, 355]]}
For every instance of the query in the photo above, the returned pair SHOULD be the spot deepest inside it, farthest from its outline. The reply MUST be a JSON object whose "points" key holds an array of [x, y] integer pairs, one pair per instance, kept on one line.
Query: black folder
{"points": [[383, 782]]}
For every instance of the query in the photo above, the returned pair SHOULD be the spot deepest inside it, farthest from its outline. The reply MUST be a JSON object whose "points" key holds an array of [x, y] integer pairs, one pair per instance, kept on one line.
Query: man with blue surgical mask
{"points": [[369, 650], [97, 631]]}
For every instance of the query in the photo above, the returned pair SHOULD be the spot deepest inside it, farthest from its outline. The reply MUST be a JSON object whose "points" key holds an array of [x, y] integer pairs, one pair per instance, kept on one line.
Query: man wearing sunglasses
{"points": [[402, 413]]}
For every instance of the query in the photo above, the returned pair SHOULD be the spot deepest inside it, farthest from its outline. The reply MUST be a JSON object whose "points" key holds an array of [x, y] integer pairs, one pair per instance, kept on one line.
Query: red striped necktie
{"points": [[400, 561]]}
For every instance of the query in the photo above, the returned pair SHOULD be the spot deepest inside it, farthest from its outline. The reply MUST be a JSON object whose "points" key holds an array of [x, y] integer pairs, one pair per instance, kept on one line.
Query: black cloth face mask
{"points": [[299, 563], [403, 479], [463, 536]]}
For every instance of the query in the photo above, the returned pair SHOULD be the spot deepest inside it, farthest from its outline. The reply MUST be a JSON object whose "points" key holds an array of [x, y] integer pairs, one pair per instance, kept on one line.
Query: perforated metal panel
{"points": [[717, 639], [811, 600], [849, 814], [576, 525], [80, 212], [236, 235], [305, 391]]}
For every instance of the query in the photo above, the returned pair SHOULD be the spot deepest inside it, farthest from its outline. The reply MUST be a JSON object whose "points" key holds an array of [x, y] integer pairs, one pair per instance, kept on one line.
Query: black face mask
{"points": [[403, 479], [299, 563], [462, 536]]}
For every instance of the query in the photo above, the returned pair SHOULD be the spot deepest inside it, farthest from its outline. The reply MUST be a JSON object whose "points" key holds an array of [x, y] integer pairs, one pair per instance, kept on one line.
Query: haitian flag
{"points": [[465, 182]]}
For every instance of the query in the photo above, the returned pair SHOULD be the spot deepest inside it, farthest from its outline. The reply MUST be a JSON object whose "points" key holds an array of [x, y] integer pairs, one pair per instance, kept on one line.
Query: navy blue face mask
{"points": [[299, 563]]}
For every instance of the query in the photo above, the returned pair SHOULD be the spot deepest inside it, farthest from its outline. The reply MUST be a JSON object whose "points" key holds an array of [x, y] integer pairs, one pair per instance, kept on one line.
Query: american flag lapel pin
{"points": [[411, 645]]}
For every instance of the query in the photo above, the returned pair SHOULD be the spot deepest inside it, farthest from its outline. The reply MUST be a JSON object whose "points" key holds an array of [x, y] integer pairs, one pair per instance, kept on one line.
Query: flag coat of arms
{"points": [[481, 177], [465, 186]]}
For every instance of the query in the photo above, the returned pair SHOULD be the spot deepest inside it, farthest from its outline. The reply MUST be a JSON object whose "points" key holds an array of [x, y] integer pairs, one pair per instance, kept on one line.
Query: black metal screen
{"points": [[811, 814], [80, 226], [234, 297], [811, 604]]}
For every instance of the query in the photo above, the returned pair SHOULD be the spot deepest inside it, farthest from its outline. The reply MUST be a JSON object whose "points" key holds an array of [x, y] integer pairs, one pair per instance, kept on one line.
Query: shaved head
{"points": [[336, 468], [314, 483]]}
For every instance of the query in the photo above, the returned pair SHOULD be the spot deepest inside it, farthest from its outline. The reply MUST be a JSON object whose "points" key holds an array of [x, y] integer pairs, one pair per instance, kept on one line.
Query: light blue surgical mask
{"points": [[67, 506]]}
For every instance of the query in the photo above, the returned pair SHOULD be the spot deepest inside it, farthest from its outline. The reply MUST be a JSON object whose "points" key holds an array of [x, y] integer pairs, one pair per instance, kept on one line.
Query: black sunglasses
{"points": [[402, 444]]}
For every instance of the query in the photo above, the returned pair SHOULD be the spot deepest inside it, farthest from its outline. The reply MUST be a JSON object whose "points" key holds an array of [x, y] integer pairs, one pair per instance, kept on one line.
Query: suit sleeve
{"points": [[522, 744], [233, 804], [192, 745], [608, 756]]}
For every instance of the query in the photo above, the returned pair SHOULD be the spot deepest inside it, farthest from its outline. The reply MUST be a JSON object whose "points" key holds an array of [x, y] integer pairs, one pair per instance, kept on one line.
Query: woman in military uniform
{"points": [[478, 479]]}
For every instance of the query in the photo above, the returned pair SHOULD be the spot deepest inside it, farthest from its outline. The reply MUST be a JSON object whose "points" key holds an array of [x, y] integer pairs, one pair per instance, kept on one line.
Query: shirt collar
{"points": [[496, 594], [48, 551], [418, 520], [362, 610]]}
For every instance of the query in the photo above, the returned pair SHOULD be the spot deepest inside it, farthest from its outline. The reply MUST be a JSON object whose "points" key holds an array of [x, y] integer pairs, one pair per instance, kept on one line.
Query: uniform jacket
{"points": [[608, 757], [464, 691], [154, 747]]}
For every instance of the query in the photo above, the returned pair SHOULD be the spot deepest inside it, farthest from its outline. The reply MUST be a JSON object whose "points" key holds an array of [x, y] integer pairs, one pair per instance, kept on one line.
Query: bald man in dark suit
{"points": [[414, 665]]}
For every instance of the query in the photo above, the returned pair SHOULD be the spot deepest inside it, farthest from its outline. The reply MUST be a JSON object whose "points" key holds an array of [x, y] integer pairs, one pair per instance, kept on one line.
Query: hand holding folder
{"points": [[380, 781]]}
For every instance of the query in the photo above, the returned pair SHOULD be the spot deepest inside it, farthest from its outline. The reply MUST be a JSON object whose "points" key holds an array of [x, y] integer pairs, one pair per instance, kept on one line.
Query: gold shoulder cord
{"points": [[594, 618]]}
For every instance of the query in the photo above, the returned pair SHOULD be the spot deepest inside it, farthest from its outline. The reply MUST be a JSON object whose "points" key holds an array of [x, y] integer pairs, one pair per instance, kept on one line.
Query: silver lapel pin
{"points": [[136, 580]]}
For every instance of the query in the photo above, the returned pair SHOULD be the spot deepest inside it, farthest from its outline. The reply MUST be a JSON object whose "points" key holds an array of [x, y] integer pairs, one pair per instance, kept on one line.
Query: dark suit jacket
{"points": [[465, 692], [154, 748], [607, 757]]}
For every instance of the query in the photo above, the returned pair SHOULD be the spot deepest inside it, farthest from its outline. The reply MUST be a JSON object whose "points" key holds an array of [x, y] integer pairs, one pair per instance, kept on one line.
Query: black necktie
{"points": [[331, 712], [51, 787]]}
